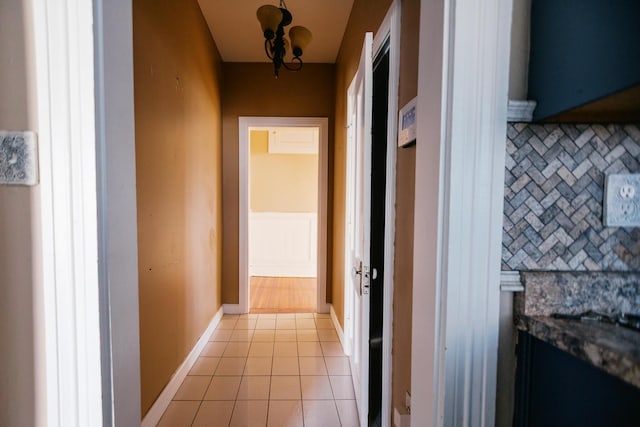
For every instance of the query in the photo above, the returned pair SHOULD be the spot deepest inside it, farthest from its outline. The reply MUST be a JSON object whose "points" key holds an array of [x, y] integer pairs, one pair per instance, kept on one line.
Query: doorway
{"points": [[283, 216], [297, 266]]}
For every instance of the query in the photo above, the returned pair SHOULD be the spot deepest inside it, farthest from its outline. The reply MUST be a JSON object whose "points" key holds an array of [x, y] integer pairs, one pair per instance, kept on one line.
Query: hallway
{"points": [[268, 370]]}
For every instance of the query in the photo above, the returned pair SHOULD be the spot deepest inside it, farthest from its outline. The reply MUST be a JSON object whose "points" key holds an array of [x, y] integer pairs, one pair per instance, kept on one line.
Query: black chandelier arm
{"points": [[291, 66], [268, 48]]}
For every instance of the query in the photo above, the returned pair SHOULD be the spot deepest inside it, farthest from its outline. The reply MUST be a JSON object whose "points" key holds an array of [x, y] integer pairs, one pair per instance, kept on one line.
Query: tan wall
{"points": [[22, 388], [405, 194], [177, 75], [251, 90], [281, 182]]}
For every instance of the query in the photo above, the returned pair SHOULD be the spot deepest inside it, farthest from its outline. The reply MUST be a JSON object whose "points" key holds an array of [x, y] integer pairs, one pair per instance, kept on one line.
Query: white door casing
{"points": [[359, 214]]}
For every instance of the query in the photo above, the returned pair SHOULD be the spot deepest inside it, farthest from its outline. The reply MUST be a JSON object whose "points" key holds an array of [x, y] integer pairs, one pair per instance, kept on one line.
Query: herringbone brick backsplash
{"points": [[554, 187]]}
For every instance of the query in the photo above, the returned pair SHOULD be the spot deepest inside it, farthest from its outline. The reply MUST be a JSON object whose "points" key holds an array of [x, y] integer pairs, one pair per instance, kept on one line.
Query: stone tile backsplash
{"points": [[554, 187]]}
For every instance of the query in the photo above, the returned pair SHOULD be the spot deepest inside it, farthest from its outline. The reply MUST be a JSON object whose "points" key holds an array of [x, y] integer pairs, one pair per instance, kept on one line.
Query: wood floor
{"points": [[283, 295]]}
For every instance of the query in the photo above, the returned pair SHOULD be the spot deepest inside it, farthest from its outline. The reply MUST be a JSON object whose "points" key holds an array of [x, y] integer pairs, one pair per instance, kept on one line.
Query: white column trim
{"points": [[65, 61], [461, 388]]}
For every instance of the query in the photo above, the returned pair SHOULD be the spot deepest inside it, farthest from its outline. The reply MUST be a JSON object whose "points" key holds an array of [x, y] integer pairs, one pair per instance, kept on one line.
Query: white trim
{"points": [[336, 324], [401, 420], [233, 309], [461, 303], [162, 402], [65, 98], [520, 111], [510, 281], [244, 123], [390, 28]]}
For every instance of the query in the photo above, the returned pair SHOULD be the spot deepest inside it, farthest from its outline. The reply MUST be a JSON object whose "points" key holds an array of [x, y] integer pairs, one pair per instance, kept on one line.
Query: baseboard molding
{"points": [[162, 402], [401, 420], [336, 324], [233, 309]]}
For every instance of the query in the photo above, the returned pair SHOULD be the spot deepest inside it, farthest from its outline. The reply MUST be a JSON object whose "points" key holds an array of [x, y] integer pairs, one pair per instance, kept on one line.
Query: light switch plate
{"points": [[18, 158], [622, 200]]}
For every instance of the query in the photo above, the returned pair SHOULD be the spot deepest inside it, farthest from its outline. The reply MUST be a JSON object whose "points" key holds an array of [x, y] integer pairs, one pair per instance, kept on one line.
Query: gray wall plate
{"points": [[622, 200], [18, 158]]}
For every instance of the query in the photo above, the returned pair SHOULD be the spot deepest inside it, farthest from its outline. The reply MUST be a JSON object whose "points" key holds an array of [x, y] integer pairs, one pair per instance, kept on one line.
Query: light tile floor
{"points": [[275, 370]]}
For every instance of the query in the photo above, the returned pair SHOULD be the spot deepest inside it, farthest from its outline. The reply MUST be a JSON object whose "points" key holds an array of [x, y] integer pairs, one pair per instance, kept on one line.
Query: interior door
{"points": [[358, 221]]}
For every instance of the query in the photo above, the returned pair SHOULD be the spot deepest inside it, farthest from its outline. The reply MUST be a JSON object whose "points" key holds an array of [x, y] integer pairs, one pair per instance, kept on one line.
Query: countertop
{"points": [[615, 349]]}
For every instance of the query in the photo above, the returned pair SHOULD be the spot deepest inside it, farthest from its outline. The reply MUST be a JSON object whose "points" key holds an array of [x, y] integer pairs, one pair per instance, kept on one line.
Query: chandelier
{"points": [[273, 20]]}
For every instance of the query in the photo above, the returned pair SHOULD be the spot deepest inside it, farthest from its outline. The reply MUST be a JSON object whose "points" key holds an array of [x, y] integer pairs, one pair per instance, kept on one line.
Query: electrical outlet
{"points": [[622, 200], [18, 158]]}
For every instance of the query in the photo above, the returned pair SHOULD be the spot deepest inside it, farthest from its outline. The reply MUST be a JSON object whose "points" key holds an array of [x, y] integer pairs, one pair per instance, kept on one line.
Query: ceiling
{"points": [[237, 32]]}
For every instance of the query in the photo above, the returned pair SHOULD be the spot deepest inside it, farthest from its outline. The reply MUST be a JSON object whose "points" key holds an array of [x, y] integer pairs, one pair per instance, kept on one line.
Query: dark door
{"points": [[378, 185]]}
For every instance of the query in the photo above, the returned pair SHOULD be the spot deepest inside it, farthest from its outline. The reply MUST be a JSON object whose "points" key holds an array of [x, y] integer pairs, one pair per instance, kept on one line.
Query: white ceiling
{"points": [[237, 32]]}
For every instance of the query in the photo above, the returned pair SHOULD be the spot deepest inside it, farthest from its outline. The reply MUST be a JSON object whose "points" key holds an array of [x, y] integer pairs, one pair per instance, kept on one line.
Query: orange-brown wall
{"points": [[177, 78], [367, 16], [250, 89]]}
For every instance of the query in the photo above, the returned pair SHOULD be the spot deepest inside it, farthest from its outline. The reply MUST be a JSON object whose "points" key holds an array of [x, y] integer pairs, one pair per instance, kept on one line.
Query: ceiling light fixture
{"points": [[273, 20]]}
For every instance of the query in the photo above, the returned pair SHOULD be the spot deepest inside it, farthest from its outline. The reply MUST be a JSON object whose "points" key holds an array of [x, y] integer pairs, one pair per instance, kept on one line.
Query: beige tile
{"points": [[215, 413], [264, 335], [250, 413], [246, 324], [223, 388], [322, 315], [285, 413], [286, 316], [231, 366], [310, 348], [236, 349], [348, 412], [342, 386], [247, 316], [214, 349], [324, 323], [204, 366], [230, 316], [338, 365], [286, 324], [254, 388], [307, 335], [285, 366], [242, 335], [258, 366], [305, 324], [267, 316], [315, 387], [304, 315], [285, 388], [285, 335], [312, 366], [227, 323], [192, 388], [179, 414], [285, 349], [327, 335], [266, 323], [320, 413], [221, 335], [262, 349], [332, 349]]}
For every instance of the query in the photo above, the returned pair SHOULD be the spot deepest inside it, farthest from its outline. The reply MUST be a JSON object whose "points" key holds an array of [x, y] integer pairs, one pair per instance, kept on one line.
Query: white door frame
{"points": [[462, 117], [84, 63], [244, 124]]}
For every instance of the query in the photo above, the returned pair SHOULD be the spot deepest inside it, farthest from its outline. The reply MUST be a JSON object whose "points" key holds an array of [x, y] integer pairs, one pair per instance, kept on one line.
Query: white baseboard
{"points": [[401, 420], [162, 402], [336, 324], [233, 309]]}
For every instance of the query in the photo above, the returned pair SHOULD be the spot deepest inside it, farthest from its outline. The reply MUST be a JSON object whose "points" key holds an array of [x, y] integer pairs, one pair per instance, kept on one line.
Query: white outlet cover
{"points": [[622, 200], [18, 158]]}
